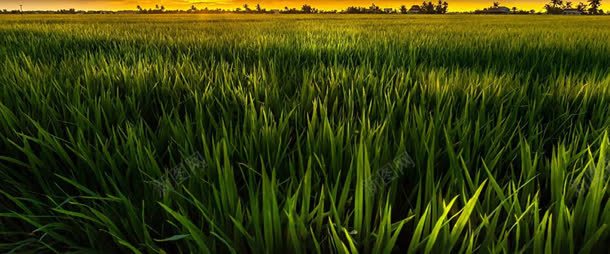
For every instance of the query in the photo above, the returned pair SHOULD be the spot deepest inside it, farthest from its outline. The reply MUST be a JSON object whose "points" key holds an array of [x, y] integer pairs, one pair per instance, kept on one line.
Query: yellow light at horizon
{"points": [[454, 5]]}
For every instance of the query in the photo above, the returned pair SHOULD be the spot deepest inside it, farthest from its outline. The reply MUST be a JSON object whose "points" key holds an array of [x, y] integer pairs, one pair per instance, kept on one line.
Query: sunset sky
{"points": [[454, 5]]}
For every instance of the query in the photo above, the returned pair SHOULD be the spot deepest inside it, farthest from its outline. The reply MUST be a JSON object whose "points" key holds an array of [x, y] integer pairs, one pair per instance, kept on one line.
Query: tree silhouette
{"points": [[430, 8], [514, 9], [439, 7], [554, 7], [568, 5], [427, 7], [246, 7], [403, 9], [556, 3], [374, 8], [594, 4], [258, 8], [139, 8], [306, 8], [581, 7]]}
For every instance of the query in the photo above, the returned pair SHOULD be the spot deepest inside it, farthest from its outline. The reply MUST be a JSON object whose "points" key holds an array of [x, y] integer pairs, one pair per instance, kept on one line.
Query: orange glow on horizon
{"points": [[454, 5]]}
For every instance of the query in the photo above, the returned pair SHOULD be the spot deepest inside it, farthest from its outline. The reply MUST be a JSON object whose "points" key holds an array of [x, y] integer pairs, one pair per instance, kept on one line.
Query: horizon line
{"points": [[251, 12]]}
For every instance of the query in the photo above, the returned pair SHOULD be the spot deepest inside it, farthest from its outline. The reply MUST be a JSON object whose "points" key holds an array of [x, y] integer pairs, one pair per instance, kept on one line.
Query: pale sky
{"points": [[454, 5]]}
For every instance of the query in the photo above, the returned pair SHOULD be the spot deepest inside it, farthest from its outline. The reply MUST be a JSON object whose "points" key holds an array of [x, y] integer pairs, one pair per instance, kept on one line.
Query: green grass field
{"points": [[304, 134]]}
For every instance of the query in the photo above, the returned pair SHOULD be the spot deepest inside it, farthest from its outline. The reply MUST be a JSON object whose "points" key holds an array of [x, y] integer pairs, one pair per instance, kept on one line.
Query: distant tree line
{"points": [[496, 8], [364, 10], [430, 8], [424, 8], [592, 7], [5, 11], [62, 11], [257, 9]]}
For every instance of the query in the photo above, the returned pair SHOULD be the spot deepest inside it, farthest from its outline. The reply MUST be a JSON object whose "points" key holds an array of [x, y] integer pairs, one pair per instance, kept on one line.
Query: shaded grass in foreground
{"points": [[505, 119]]}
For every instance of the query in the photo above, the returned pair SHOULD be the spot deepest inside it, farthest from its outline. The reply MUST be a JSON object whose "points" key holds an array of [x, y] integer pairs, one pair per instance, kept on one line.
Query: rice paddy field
{"points": [[304, 134]]}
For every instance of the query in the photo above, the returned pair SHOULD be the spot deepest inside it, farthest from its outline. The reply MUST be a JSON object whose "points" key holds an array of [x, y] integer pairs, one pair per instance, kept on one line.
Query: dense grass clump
{"points": [[300, 134]]}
